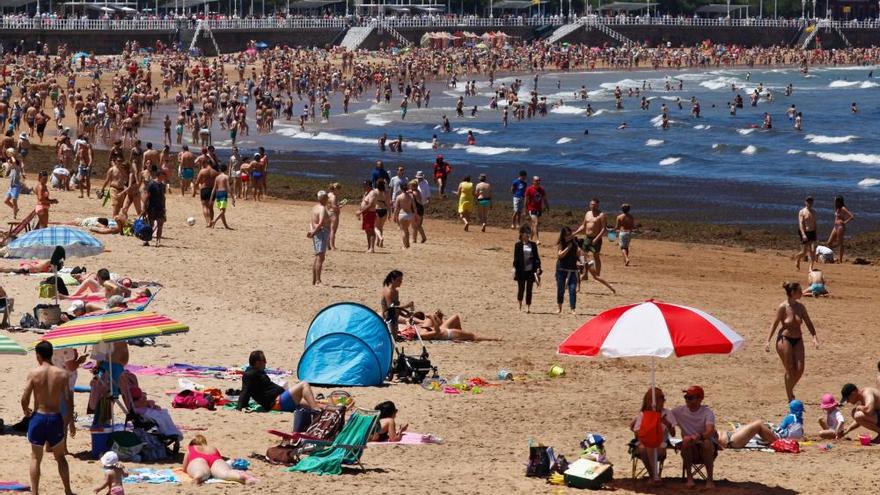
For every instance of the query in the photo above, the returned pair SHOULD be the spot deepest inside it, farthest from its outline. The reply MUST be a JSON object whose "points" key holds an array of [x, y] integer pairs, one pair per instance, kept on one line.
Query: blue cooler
{"points": [[100, 440]]}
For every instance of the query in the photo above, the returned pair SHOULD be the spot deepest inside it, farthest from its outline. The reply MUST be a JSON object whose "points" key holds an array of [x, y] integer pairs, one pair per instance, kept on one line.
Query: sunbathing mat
{"points": [[13, 486], [196, 371], [152, 476], [410, 438]]}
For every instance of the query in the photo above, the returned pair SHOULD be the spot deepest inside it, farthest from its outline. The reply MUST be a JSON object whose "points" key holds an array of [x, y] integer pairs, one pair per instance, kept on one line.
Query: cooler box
{"points": [[584, 473], [101, 442]]}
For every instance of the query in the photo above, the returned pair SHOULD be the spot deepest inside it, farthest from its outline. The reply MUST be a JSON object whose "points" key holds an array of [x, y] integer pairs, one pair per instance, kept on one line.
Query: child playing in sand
{"points": [[792, 425], [816, 280], [388, 430], [832, 423], [113, 474]]}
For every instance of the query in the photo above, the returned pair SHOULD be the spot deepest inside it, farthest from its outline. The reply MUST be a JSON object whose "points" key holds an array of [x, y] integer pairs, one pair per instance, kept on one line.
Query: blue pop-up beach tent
{"points": [[347, 344]]}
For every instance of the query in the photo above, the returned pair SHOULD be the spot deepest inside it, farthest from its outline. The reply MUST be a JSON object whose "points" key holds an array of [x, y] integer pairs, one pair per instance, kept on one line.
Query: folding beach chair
{"points": [[18, 227], [347, 448], [638, 469], [699, 468]]}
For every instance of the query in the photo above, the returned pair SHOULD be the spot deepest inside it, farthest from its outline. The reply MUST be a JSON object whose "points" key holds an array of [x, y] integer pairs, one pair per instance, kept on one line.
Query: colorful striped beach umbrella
{"points": [[41, 243], [112, 327], [8, 346]]}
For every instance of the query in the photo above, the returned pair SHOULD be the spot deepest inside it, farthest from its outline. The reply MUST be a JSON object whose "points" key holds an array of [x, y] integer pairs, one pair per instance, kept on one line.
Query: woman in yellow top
{"points": [[465, 194]]}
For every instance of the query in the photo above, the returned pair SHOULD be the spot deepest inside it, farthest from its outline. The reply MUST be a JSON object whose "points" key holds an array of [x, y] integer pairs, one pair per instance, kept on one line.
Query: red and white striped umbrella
{"points": [[654, 329]]}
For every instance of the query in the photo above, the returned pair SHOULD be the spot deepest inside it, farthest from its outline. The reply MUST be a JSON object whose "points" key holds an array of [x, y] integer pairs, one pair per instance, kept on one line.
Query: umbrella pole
{"points": [[654, 406], [112, 399], [55, 272]]}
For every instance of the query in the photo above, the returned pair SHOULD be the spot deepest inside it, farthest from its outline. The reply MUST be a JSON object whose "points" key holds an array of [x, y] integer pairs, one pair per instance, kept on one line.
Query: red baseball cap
{"points": [[694, 391]]}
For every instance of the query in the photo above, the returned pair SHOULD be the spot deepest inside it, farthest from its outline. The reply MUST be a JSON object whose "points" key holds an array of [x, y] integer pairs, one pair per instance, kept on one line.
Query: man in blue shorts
{"points": [[518, 191], [256, 384], [53, 408]]}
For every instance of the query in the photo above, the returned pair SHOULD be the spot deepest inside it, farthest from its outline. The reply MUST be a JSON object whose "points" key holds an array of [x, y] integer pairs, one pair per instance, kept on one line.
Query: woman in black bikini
{"points": [[790, 316]]}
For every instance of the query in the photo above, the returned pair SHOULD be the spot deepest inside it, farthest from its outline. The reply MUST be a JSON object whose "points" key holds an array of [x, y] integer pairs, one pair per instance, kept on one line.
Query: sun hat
{"points": [[109, 459], [828, 402], [24, 136], [420, 175], [77, 305]]}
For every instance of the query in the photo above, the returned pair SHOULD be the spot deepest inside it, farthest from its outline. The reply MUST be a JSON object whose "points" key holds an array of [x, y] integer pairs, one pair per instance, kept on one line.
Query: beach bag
{"points": [[650, 432], [47, 291], [303, 419], [282, 454], [47, 315], [539, 461], [127, 445], [152, 449], [328, 424], [187, 399], [142, 230], [786, 446]]}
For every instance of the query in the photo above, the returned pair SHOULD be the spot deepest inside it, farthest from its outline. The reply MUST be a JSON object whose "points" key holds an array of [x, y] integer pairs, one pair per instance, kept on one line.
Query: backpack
{"points": [[539, 461], [650, 432], [142, 230], [786, 446], [187, 399]]}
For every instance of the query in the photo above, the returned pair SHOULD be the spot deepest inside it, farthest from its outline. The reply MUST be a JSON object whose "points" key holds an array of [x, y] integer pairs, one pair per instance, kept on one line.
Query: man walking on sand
{"points": [[367, 214], [518, 191], [867, 411], [221, 196], [205, 185], [626, 224], [50, 388], [319, 233], [154, 202], [807, 230], [595, 228], [536, 203]]}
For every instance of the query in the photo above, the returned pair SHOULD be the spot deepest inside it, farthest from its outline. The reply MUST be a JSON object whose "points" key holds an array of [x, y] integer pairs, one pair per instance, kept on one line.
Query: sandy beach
{"points": [[249, 289]]}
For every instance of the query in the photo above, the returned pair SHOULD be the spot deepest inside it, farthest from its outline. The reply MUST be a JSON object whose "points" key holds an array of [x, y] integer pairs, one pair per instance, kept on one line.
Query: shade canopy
{"points": [[9, 346], [652, 328], [112, 326], [41, 243]]}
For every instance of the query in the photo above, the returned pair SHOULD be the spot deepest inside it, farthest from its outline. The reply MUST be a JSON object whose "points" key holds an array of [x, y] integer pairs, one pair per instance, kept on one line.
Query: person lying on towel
{"points": [[256, 384]]}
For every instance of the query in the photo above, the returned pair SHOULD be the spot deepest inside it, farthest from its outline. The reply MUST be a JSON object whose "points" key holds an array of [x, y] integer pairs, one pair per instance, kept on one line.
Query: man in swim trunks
{"points": [[186, 162], [154, 202], [221, 195], [483, 193], [807, 233], [256, 385], [53, 407], [536, 202], [518, 191], [319, 233], [625, 226], [595, 229], [116, 178], [84, 169], [205, 184], [867, 411], [367, 214]]}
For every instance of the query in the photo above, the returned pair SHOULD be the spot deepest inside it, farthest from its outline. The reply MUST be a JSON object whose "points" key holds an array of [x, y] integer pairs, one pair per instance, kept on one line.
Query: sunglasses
{"points": [[691, 397]]}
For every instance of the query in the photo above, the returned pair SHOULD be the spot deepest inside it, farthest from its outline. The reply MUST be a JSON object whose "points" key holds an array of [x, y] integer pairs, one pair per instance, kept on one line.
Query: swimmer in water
{"points": [[622, 126], [853, 108]]}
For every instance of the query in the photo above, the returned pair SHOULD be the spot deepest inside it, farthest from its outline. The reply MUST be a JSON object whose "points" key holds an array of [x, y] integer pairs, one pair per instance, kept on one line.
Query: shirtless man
{"points": [[867, 411], [405, 211], [53, 408], [261, 168], [483, 193], [367, 214], [807, 231], [84, 168], [319, 233], [221, 195], [186, 166], [151, 157], [117, 179], [594, 227], [625, 226], [205, 184]]}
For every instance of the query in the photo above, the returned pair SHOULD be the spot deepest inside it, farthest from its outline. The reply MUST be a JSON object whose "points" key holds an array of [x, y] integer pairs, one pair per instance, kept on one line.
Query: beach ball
{"points": [[190, 221]]}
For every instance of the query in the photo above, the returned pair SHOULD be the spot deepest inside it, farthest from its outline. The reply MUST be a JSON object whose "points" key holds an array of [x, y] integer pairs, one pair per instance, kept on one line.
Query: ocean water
{"points": [[716, 168]]}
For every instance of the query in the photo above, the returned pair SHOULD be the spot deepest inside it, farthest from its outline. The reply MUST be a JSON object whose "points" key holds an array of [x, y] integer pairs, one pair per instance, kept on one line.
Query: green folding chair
{"points": [[347, 448]]}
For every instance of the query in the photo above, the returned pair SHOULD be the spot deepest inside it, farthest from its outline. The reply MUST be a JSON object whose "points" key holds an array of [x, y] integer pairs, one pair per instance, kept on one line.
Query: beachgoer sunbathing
{"points": [[203, 462], [39, 266], [434, 327], [388, 430], [101, 282], [256, 384], [792, 426]]}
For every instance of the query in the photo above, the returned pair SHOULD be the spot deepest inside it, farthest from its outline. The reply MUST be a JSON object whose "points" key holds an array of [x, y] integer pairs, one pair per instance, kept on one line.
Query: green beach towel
{"points": [[331, 459]]}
